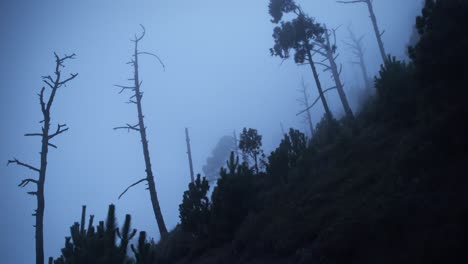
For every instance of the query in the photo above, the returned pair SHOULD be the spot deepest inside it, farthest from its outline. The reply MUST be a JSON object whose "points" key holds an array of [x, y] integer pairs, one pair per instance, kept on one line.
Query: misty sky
{"points": [[219, 77]]}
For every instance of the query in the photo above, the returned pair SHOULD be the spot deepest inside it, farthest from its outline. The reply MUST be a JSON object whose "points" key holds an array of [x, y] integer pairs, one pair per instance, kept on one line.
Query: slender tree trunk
{"points": [[189, 153], [236, 143], [377, 32], [149, 173], [358, 51], [40, 192], [336, 77], [328, 113], [363, 67], [256, 163], [306, 102]]}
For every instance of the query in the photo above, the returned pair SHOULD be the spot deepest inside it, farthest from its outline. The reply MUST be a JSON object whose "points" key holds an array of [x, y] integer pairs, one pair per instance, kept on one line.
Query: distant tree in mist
{"points": [[299, 35], [305, 104], [219, 155], [54, 83], [141, 128], [378, 33], [250, 144], [357, 48]]}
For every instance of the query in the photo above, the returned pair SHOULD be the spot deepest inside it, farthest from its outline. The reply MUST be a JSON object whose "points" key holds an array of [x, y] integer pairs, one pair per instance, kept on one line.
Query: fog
{"points": [[219, 77]]}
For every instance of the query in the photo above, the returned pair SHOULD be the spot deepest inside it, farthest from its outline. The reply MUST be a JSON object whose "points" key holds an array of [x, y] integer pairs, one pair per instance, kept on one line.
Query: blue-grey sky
{"points": [[219, 77]]}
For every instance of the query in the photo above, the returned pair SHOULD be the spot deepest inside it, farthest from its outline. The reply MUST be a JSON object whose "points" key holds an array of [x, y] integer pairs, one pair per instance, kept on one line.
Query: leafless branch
{"points": [[72, 76], [352, 2], [33, 135], [142, 34], [19, 163], [25, 182], [124, 87], [128, 126], [140, 181], [154, 55], [60, 130], [316, 100]]}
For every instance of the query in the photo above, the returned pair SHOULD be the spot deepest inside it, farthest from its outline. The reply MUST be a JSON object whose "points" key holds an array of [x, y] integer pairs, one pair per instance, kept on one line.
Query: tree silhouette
{"points": [[97, 244], [54, 83], [298, 34], [141, 128], [250, 144], [194, 211], [377, 32], [144, 254], [328, 50], [440, 55]]}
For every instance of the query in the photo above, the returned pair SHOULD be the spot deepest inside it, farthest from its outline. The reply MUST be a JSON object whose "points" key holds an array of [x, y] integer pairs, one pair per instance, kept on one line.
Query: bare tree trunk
{"points": [[336, 76], [149, 172], [142, 129], [358, 51], [306, 105], [377, 32], [328, 113], [189, 153], [236, 143], [54, 84]]}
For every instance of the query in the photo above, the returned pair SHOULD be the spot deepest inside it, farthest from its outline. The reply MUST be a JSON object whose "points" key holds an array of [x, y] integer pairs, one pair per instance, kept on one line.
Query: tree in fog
{"points": [[378, 33], [305, 104], [328, 49], [299, 34], [140, 127], [357, 49], [250, 144], [54, 83], [219, 156]]}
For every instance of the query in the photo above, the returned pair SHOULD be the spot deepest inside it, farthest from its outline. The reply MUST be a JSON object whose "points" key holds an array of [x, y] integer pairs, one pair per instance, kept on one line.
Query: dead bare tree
{"points": [[189, 154], [54, 83], [378, 33], [305, 103], [140, 127], [358, 50], [328, 51]]}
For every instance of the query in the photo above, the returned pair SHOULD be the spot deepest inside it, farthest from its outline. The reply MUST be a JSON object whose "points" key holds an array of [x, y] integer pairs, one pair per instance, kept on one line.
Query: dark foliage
{"points": [[250, 144], [396, 92], [276, 8], [297, 34], [97, 245], [143, 252], [195, 208], [231, 199], [285, 157], [440, 55]]}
